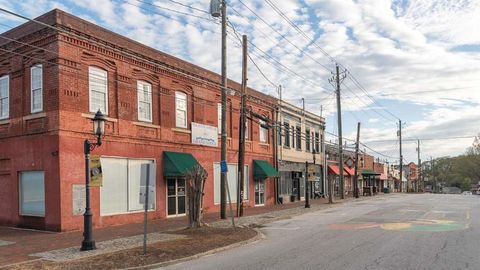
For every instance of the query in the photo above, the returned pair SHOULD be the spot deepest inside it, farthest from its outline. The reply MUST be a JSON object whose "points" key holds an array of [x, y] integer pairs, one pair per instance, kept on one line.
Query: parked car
{"points": [[467, 193]]}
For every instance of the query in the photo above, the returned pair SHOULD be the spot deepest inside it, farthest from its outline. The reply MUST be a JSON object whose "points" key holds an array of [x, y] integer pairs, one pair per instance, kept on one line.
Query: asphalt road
{"points": [[398, 231]]}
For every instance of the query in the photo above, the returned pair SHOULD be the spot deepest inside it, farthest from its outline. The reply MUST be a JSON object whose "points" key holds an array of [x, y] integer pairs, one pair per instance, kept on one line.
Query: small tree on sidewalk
{"points": [[195, 189]]}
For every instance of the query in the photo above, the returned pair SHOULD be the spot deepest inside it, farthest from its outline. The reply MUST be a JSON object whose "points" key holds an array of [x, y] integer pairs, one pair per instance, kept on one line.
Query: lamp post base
{"points": [[88, 245]]}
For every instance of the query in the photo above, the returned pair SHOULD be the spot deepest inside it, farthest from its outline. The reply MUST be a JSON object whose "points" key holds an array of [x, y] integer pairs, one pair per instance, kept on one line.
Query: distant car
{"points": [[467, 193]]}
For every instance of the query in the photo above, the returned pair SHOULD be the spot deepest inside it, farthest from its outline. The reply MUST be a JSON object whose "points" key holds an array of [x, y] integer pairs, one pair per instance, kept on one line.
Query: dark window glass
{"points": [[171, 187], [172, 205], [181, 204]]}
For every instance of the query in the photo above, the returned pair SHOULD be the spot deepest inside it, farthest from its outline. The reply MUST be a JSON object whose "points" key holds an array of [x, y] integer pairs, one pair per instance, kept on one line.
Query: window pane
{"points": [[172, 205], [181, 119], [36, 77], [114, 192], [4, 87], [4, 107], [181, 204], [37, 100], [171, 187], [97, 101], [32, 193]]}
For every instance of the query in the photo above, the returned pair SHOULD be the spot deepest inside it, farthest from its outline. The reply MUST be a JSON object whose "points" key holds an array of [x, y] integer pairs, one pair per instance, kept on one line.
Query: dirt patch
{"points": [[196, 241]]}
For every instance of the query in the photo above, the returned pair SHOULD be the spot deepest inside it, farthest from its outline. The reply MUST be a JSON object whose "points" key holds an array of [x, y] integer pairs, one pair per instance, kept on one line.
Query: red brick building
{"points": [[49, 91]]}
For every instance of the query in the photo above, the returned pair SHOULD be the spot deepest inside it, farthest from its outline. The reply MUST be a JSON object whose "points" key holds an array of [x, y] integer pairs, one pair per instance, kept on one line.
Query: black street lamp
{"points": [[99, 130], [307, 183]]}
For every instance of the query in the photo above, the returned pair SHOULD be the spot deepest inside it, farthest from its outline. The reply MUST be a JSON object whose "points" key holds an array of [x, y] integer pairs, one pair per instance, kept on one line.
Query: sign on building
{"points": [[204, 135], [95, 171], [78, 199]]}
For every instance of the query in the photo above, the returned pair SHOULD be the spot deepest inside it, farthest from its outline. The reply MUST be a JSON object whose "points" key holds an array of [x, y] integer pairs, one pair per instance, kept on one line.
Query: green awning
{"points": [[177, 164], [369, 173], [262, 169]]}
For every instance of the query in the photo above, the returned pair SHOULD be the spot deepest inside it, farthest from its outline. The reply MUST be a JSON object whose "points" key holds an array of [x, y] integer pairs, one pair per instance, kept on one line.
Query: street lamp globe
{"points": [[99, 125], [216, 8]]}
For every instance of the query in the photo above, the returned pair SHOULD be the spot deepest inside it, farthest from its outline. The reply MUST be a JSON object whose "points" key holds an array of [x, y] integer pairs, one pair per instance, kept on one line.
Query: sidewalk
{"points": [[26, 242]]}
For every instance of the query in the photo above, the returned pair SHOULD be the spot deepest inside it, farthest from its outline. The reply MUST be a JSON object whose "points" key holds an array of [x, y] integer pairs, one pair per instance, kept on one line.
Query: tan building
{"points": [[299, 140]]}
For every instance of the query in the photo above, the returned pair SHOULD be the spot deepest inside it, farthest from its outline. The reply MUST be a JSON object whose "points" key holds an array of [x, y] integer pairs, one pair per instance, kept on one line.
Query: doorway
{"points": [[260, 192], [176, 197]]}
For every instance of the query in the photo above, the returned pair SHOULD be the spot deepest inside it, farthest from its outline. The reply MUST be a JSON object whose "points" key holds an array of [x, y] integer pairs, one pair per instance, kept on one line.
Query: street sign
{"points": [[223, 166], [147, 185]]}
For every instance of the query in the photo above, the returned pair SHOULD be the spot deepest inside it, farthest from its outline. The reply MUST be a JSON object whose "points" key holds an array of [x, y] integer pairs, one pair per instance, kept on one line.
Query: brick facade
{"points": [[52, 140]]}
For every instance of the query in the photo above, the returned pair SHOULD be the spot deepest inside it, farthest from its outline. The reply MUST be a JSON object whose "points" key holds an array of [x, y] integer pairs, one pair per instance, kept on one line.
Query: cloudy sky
{"points": [[417, 60]]}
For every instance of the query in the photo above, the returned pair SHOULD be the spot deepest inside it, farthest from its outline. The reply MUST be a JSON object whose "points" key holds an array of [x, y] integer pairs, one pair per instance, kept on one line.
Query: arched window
{"points": [[181, 109], [4, 96], [98, 89], [144, 97], [36, 88]]}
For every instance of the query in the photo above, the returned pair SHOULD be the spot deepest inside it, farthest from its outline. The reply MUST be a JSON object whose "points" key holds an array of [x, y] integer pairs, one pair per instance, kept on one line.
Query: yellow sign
{"points": [[311, 173], [95, 171]]}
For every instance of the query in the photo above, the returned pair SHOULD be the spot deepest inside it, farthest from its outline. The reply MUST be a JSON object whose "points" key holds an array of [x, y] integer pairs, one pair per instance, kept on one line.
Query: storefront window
{"points": [[32, 193]]}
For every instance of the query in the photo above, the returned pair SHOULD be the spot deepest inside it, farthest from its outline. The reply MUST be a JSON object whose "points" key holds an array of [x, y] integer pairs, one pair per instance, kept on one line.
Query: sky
{"points": [[414, 60]]}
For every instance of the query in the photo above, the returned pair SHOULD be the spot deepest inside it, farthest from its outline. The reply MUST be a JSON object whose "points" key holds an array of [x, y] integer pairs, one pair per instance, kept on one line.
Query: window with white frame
{"points": [[247, 130], [232, 176], [98, 89], [181, 109], [32, 193], [263, 132], [144, 96], [36, 88], [123, 182], [219, 118], [4, 97]]}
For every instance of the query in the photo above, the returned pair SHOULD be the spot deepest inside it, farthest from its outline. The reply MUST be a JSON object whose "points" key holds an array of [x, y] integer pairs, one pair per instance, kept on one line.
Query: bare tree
{"points": [[195, 189]]}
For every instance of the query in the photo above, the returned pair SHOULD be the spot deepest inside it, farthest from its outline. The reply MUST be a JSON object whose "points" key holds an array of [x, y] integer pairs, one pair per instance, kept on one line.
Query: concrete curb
{"points": [[258, 237]]}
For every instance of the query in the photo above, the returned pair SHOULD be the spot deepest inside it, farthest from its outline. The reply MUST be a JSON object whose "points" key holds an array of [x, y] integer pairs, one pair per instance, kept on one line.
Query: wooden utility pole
{"points": [[241, 141], [419, 166], [401, 156], [223, 144], [340, 146], [432, 172], [355, 177]]}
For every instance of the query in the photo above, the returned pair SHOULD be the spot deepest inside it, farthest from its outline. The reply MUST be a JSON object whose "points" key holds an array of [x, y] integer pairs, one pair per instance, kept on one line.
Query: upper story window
{"points": [[287, 134], [247, 129], [263, 132], [219, 118], [307, 139], [299, 137], [4, 96], [36, 88], [317, 142], [279, 136], [181, 109], [293, 136], [98, 90], [144, 96]]}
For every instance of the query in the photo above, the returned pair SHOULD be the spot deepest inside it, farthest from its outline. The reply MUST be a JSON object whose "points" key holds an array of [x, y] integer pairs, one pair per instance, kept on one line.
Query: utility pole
{"points": [[401, 157], [432, 171], [241, 140], [340, 146], [355, 177], [223, 150], [419, 167], [307, 191]]}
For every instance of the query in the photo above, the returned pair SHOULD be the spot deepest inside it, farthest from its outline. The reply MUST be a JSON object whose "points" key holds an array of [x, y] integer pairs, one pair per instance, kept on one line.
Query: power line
{"points": [[284, 37]]}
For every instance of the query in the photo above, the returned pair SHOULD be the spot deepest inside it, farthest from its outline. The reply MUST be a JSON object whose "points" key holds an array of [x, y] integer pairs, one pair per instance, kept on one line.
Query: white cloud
{"points": [[393, 48]]}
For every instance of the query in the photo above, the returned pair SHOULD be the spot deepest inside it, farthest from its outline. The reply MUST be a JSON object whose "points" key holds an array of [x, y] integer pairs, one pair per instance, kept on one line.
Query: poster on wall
{"points": [[78, 199], [204, 135], [95, 171]]}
